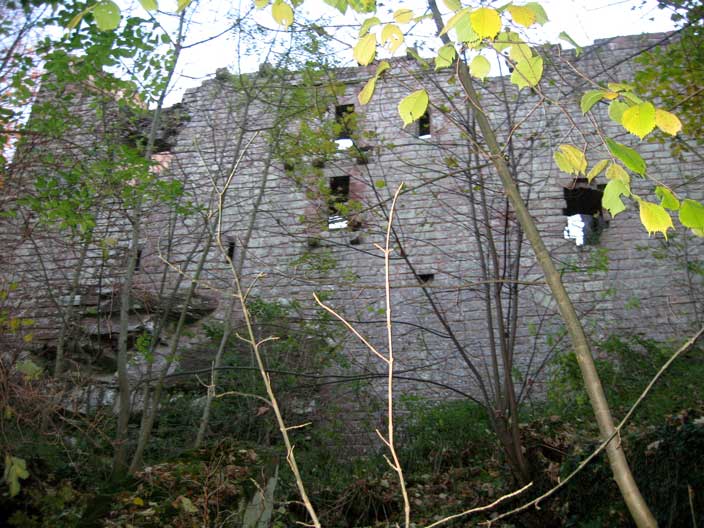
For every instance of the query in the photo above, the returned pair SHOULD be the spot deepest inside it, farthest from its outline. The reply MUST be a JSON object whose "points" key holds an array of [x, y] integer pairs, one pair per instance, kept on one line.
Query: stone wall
{"points": [[276, 216]]}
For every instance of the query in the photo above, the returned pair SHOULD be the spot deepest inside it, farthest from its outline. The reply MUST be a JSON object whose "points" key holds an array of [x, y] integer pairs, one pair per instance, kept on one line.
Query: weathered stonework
{"points": [[617, 284]]}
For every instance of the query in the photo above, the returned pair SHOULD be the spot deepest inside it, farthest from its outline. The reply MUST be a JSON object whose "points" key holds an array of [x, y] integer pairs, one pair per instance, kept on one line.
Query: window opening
{"points": [[426, 278], [343, 117], [585, 216], [138, 260], [230, 250], [424, 126], [339, 196]]}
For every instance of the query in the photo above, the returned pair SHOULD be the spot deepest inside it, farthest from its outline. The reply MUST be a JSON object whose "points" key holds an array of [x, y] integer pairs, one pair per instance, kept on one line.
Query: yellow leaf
{"points": [[667, 122], [383, 66], [570, 159], [282, 13], [639, 119], [655, 218], [366, 94], [261, 4], [413, 106], [610, 95], [596, 169], [403, 16], [367, 25], [137, 501], [391, 37], [616, 172], [522, 15], [479, 67], [485, 22], [365, 49]]}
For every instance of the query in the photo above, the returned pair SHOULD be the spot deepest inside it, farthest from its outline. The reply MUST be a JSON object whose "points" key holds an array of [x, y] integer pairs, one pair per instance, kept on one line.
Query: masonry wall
{"points": [[276, 212]]}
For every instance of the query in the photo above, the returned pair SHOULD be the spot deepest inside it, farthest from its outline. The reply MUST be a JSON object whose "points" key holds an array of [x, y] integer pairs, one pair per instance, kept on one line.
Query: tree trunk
{"points": [[622, 473]]}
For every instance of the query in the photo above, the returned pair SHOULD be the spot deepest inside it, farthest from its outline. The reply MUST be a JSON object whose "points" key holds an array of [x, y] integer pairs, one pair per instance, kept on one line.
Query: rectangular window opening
{"points": [[138, 260], [339, 196], [343, 118], [426, 278], [424, 126], [585, 216]]}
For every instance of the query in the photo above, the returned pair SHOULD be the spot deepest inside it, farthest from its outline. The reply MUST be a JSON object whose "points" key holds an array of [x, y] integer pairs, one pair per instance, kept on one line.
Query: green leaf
{"points": [[633, 98], [363, 6], [367, 92], [413, 106], [368, 24], [528, 72], [282, 13], [446, 56], [596, 169], [540, 16], [589, 99], [506, 40], [619, 87], [15, 469], [107, 15], [340, 5], [465, 32], [485, 22], [479, 67], [570, 159], [616, 172], [667, 198], [365, 49], [520, 52], [655, 218], [628, 156], [77, 19], [454, 20], [577, 48], [522, 15], [149, 5], [611, 199], [616, 110], [639, 119], [182, 4], [453, 5], [667, 122], [692, 214], [187, 505], [29, 369]]}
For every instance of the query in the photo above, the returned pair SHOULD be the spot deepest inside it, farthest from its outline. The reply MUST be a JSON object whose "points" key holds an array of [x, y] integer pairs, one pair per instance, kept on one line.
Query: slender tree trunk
{"points": [[622, 473], [68, 313], [121, 435], [148, 423], [227, 330]]}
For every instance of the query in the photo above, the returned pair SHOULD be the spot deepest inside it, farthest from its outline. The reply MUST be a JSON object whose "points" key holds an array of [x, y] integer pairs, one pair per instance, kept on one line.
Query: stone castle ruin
{"points": [[305, 177]]}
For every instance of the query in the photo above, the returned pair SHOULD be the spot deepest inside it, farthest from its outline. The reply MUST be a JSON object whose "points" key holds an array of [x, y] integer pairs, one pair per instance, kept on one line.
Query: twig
{"points": [[617, 430], [388, 440]]}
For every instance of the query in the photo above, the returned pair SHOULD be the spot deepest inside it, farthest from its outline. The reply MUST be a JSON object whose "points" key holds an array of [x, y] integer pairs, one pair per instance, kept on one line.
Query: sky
{"points": [[584, 21]]}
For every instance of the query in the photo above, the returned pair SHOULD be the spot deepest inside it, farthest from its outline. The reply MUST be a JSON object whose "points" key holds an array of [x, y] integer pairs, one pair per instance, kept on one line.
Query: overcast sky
{"points": [[584, 21]]}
